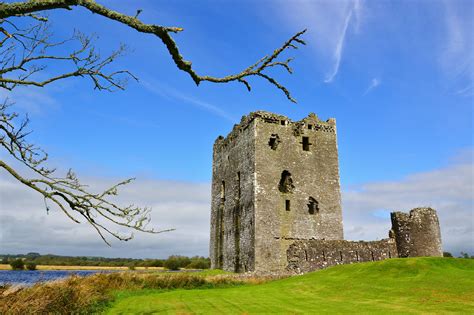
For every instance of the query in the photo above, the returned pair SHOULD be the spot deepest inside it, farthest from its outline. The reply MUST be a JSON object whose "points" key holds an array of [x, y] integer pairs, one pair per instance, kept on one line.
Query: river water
{"points": [[30, 277]]}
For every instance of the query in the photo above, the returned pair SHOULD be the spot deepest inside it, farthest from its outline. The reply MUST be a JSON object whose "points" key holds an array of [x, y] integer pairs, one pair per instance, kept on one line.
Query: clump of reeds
{"points": [[81, 295]]}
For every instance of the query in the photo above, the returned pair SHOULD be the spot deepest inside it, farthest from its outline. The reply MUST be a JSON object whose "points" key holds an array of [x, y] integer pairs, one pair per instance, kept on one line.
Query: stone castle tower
{"points": [[274, 181], [276, 202]]}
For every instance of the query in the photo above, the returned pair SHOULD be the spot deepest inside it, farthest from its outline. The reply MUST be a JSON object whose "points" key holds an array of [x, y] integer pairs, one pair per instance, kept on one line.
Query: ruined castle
{"points": [[276, 202]]}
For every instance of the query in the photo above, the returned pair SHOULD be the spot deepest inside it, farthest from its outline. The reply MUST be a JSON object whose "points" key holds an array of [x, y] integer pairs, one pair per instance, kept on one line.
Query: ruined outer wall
{"points": [[306, 256], [314, 173], [232, 206], [417, 233]]}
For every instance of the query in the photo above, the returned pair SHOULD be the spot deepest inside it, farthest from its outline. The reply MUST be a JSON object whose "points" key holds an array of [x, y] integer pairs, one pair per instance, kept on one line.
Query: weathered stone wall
{"points": [[232, 206], [276, 202], [274, 181], [297, 186], [306, 256], [417, 233]]}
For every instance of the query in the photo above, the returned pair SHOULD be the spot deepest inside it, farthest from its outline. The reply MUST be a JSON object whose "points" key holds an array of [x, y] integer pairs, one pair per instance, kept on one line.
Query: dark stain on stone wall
{"points": [[232, 204]]}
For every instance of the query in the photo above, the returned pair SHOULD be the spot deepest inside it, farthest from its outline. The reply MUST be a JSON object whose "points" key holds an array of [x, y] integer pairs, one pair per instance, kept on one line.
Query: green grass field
{"points": [[416, 285]]}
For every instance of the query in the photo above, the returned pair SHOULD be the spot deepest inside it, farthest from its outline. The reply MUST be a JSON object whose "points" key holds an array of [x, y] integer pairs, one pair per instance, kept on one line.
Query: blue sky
{"points": [[397, 76], [395, 96]]}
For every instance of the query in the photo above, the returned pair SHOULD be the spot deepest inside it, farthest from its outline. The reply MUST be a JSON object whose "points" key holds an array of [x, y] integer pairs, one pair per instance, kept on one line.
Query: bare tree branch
{"points": [[67, 193], [163, 33], [27, 50], [33, 45]]}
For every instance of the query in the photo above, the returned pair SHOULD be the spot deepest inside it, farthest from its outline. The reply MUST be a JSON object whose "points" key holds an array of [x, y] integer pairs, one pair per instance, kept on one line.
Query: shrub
{"points": [[175, 262], [31, 266], [172, 263], [447, 254], [199, 264], [155, 263], [465, 255], [17, 264]]}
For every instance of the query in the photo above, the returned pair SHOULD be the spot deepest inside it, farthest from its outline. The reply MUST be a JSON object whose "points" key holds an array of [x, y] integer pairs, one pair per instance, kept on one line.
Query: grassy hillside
{"points": [[416, 285]]}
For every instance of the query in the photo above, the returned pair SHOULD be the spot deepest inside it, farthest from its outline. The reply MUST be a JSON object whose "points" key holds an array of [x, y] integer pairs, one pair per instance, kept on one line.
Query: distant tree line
{"points": [[173, 262], [462, 255]]}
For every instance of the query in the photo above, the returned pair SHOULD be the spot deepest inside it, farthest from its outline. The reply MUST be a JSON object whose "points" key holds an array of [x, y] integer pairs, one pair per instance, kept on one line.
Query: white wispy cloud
{"points": [[375, 82], [358, 14], [329, 24], [466, 91], [449, 190], [25, 226], [30, 99], [456, 50], [339, 48], [173, 94]]}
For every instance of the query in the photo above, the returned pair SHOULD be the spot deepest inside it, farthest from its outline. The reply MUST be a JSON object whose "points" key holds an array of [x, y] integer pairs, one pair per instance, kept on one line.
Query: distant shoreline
{"points": [[56, 267]]}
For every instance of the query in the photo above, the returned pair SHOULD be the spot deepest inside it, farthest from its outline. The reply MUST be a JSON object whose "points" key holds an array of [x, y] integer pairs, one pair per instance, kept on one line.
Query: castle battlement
{"points": [[311, 122]]}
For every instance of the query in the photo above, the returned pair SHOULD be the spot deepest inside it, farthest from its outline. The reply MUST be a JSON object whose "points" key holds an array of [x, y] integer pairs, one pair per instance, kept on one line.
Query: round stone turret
{"points": [[417, 233]]}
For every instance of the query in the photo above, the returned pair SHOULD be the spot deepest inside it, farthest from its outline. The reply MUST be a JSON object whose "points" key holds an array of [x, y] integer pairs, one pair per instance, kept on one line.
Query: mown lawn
{"points": [[415, 285]]}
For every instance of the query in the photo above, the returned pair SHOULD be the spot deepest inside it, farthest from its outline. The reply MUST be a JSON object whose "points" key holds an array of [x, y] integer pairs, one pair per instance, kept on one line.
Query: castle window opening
{"points": [[310, 126], [283, 122], [313, 205], [340, 255], [287, 205], [271, 143], [274, 141], [306, 143], [357, 255], [222, 191], [286, 182]]}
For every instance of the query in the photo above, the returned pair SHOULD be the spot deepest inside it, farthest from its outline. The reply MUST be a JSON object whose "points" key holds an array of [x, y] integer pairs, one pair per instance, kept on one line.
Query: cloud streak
{"points": [[456, 57], [373, 84], [339, 49], [329, 24], [172, 94], [32, 100]]}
